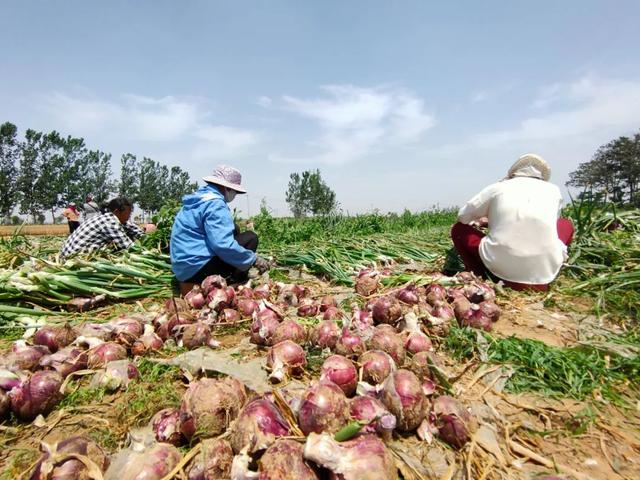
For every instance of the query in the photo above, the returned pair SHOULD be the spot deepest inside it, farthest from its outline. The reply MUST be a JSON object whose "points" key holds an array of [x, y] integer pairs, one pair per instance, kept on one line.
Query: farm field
{"points": [[548, 386]]}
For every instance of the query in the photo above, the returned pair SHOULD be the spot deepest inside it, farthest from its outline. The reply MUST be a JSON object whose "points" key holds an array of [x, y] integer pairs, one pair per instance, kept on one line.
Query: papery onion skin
{"points": [[349, 344], [386, 310], [326, 334], [376, 366], [69, 469], [289, 330], [104, 353], [341, 371], [257, 426], [455, 424], [284, 461], [166, 426], [324, 408], [213, 462], [55, 337], [403, 396]]}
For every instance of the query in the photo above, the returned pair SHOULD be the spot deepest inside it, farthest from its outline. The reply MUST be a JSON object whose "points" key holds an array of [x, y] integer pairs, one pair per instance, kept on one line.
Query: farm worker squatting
{"points": [[73, 217], [527, 242], [90, 209], [204, 238], [110, 228]]}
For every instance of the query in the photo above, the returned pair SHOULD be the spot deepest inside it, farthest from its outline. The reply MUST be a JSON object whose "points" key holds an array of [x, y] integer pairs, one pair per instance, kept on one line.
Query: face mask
{"points": [[229, 195]]}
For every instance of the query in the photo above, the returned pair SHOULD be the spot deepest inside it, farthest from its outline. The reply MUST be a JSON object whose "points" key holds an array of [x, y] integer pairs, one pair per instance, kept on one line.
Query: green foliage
{"points": [[308, 194], [128, 184], [164, 222], [8, 170]]}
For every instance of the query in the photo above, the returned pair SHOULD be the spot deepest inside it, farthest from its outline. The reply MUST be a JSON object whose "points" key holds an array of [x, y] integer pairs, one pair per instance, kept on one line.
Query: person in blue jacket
{"points": [[204, 239]]}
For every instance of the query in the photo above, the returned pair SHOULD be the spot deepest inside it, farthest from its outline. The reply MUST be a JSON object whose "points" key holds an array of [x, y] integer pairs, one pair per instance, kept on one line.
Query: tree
{"points": [[179, 184], [9, 149], [307, 194], [129, 170], [151, 186], [29, 168]]}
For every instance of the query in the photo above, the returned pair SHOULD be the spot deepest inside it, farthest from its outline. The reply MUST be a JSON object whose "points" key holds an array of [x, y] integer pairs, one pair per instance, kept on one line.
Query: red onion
{"points": [[152, 463], [367, 282], [5, 404], [9, 380], [116, 374], [341, 371], [38, 395], [376, 366], [285, 358], [55, 337], [196, 298], [262, 291], [326, 302], [490, 309], [176, 304], [443, 310], [57, 462], [246, 306], [220, 298], [324, 408], [257, 426], [455, 292], [291, 294], [349, 344], [386, 339], [105, 352], [363, 457], [362, 320], [307, 308], [166, 426], [472, 315], [371, 411], [386, 310], [479, 292], [289, 330], [408, 295], [455, 424], [284, 461], [415, 342], [263, 327], [166, 329], [211, 282], [127, 325], [435, 293], [213, 461], [402, 395], [326, 334], [420, 365], [149, 341], [332, 313], [229, 315], [25, 357], [209, 405], [65, 361]]}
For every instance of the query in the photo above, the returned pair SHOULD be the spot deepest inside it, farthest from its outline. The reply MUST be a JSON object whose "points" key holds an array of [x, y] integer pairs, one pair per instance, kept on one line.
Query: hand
{"points": [[149, 228], [250, 225], [481, 222], [261, 264]]}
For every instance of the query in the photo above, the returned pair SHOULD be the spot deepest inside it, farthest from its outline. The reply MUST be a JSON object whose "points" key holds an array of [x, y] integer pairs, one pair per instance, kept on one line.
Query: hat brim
{"points": [[224, 183], [534, 160]]}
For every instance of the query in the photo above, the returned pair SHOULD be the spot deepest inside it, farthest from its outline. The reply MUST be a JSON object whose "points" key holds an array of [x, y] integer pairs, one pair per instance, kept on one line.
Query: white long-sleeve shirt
{"points": [[522, 244]]}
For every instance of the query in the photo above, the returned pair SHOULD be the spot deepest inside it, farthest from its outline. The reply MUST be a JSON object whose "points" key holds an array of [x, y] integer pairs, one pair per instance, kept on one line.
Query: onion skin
{"points": [[5, 404], [149, 341], [376, 366], [367, 283], [307, 308], [289, 330], [25, 357], [55, 337], [402, 394], [284, 461], [213, 462], [370, 410], [153, 463], [208, 406], [386, 339], [262, 291], [349, 344], [166, 426], [490, 309], [285, 358], [326, 302], [341, 371], [420, 366], [455, 424], [99, 356], [435, 293], [196, 335], [70, 469], [196, 298], [211, 282], [408, 295], [220, 298], [326, 334], [257, 426], [65, 361], [332, 313], [363, 458], [246, 306], [386, 310], [324, 408], [415, 342], [263, 328], [38, 395]]}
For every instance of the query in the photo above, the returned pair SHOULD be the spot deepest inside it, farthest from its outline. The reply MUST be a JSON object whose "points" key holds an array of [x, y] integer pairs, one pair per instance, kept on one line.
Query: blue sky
{"points": [[400, 104]]}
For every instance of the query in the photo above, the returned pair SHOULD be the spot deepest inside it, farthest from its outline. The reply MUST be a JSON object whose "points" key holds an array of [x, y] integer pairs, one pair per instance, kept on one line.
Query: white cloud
{"points": [[355, 121], [264, 101]]}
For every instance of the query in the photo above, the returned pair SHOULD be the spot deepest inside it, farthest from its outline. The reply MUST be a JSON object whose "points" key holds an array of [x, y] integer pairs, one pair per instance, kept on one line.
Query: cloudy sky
{"points": [[403, 104]]}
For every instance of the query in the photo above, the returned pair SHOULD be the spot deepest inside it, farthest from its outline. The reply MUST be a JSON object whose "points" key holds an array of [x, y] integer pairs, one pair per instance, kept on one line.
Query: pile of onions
{"points": [[211, 282], [326, 334], [246, 306], [60, 461], [386, 310], [454, 422], [376, 366], [55, 337], [289, 330], [285, 358], [212, 462], [264, 324], [37, 395], [324, 408], [471, 315], [220, 298], [341, 371], [386, 339], [166, 426], [258, 425], [371, 411], [209, 405], [402, 394], [196, 298]]}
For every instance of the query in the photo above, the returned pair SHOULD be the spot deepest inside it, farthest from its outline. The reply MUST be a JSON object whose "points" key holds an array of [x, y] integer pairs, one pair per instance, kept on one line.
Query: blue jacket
{"points": [[203, 229]]}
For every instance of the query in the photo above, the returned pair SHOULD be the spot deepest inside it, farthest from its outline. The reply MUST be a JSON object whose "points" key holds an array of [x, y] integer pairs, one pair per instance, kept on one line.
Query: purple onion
{"points": [[490, 309], [376, 366], [149, 341], [209, 406], [341, 371], [349, 344], [324, 408], [152, 463], [263, 327], [55, 337], [415, 342], [220, 298], [9, 380], [408, 295], [289, 330], [65, 361], [454, 293], [285, 358], [246, 306], [257, 426], [25, 357], [284, 461], [38, 395], [326, 334], [307, 308], [386, 310], [127, 325], [455, 424], [229, 315], [116, 374], [363, 457], [471, 315], [196, 335], [166, 426], [69, 468], [420, 365], [371, 411], [100, 355], [367, 283], [211, 282], [326, 302], [443, 310], [196, 298], [332, 313], [262, 291], [479, 292], [213, 462], [435, 293], [386, 339], [362, 320], [402, 395]]}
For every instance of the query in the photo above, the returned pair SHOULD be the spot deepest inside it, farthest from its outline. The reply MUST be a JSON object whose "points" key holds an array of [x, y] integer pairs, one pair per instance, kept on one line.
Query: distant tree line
{"points": [[613, 174], [46, 171]]}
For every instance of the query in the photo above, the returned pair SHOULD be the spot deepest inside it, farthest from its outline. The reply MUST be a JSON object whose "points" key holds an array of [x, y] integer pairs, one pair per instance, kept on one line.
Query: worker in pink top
{"points": [[526, 243], [72, 215]]}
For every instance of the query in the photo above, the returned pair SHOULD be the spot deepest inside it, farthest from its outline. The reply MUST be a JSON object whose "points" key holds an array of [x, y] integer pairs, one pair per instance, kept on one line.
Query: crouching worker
{"points": [[204, 238], [110, 228], [526, 242]]}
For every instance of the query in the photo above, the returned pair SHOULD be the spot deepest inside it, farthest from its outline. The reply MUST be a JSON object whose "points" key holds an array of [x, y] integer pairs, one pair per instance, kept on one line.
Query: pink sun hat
{"points": [[227, 177]]}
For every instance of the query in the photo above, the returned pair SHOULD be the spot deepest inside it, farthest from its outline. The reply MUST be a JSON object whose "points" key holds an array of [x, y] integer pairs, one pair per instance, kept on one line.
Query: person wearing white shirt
{"points": [[526, 243]]}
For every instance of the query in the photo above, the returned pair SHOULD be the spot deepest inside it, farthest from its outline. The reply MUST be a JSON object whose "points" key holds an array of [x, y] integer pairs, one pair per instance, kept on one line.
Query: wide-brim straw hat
{"points": [[227, 177], [527, 163]]}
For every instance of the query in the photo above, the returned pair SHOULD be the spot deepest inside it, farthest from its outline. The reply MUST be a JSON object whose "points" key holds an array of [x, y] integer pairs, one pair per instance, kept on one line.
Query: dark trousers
{"points": [[73, 225], [215, 266]]}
